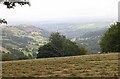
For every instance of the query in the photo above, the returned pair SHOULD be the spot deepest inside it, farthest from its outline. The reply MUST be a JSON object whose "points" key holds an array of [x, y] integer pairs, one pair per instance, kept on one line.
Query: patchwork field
{"points": [[97, 65]]}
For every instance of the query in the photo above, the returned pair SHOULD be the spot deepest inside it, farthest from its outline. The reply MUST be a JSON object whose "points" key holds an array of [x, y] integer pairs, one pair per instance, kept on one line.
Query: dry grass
{"points": [[75, 66]]}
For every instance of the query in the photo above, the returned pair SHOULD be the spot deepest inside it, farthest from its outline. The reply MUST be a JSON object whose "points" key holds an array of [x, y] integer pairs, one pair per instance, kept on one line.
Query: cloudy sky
{"points": [[45, 10]]}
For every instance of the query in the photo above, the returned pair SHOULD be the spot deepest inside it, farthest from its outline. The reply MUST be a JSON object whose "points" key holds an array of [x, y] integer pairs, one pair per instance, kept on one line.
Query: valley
{"points": [[27, 39]]}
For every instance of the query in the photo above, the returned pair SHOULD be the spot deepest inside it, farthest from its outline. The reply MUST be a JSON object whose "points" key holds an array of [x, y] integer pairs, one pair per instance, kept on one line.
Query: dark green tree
{"points": [[9, 57], [110, 42], [60, 46], [12, 3]]}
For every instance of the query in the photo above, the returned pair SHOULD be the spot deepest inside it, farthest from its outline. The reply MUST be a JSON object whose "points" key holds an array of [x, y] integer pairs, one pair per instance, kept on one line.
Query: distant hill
{"points": [[73, 30], [31, 29], [91, 40], [94, 34], [27, 38], [23, 38], [87, 34]]}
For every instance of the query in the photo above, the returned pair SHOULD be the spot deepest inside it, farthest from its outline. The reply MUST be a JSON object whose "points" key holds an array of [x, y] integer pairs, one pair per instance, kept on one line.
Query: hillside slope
{"points": [[97, 65], [86, 34], [91, 40], [73, 30], [22, 38]]}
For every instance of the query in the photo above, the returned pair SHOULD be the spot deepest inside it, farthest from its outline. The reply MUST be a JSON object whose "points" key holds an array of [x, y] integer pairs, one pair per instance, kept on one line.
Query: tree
{"points": [[8, 57], [110, 42], [11, 3], [3, 21], [60, 46], [14, 56]]}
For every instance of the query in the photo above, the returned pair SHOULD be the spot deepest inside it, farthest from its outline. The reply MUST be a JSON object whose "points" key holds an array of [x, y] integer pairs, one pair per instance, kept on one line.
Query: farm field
{"points": [[97, 65]]}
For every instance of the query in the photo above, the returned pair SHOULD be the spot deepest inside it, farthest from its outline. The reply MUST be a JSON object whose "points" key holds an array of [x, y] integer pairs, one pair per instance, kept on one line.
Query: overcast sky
{"points": [[42, 10]]}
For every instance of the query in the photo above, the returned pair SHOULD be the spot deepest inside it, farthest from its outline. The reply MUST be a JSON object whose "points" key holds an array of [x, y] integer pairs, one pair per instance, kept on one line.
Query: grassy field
{"points": [[98, 65]]}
